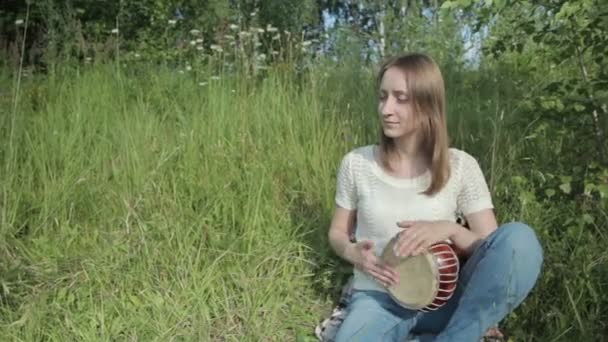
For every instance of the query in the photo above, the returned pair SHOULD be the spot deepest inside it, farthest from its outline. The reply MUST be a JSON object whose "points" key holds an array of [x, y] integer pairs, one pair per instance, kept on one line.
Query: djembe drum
{"points": [[427, 281]]}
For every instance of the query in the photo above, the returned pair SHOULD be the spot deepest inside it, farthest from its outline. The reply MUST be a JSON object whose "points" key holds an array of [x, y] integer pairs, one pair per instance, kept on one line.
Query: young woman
{"points": [[412, 183]]}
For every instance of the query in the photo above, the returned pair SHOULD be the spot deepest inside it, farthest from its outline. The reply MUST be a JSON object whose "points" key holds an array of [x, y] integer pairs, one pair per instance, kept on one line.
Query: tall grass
{"points": [[140, 205]]}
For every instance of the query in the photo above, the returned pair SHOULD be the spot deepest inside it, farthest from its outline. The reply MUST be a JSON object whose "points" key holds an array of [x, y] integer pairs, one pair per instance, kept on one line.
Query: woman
{"points": [[413, 184]]}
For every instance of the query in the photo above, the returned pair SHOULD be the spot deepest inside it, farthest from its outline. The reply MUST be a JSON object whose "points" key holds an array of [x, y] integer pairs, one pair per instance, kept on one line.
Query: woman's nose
{"points": [[387, 108]]}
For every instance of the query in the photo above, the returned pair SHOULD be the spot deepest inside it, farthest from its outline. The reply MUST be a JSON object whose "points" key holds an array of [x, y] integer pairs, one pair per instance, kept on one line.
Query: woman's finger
{"points": [[404, 238], [421, 249], [410, 245], [380, 267], [380, 277], [420, 241], [389, 272], [405, 224]]}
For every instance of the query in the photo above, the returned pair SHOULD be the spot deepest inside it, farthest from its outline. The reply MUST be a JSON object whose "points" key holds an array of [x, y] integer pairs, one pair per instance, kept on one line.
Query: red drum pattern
{"points": [[448, 266], [427, 281]]}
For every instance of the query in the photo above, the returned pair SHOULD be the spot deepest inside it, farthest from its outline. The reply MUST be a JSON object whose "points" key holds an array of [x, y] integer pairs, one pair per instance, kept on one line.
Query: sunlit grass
{"points": [[144, 205]]}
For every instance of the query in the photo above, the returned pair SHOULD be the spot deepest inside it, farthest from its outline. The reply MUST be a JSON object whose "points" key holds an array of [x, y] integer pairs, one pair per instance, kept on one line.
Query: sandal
{"points": [[493, 335], [326, 330]]}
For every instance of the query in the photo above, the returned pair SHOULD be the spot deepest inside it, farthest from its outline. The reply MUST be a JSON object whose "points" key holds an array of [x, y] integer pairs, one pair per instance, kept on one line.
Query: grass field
{"points": [[142, 205]]}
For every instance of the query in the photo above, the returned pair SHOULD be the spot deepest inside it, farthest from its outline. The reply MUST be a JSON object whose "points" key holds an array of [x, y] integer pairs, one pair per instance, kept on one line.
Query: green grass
{"points": [[143, 206]]}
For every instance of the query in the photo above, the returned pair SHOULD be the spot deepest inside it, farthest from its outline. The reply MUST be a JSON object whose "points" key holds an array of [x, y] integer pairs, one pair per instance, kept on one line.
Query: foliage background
{"points": [[168, 167]]}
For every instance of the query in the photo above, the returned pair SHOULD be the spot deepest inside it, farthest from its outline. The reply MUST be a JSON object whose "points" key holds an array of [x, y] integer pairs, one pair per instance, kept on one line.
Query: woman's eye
{"points": [[403, 99]]}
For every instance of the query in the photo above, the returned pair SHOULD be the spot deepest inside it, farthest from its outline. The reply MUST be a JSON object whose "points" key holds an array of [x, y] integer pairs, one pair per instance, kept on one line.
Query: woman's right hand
{"points": [[364, 259]]}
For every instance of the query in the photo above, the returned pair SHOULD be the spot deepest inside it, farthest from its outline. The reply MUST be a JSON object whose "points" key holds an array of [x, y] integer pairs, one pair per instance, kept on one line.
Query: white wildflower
{"points": [[19, 22], [181, 71], [277, 37], [228, 37], [233, 91], [234, 27], [244, 34], [262, 56], [216, 48], [271, 29], [193, 42], [202, 84], [215, 78], [195, 32], [188, 68], [88, 60], [254, 13], [172, 21], [199, 40], [274, 52], [199, 47], [259, 30], [137, 55], [114, 31], [306, 43]]}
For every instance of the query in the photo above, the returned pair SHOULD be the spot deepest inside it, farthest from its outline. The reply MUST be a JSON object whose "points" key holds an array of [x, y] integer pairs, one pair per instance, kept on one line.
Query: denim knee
{"points": [[519, 240]]}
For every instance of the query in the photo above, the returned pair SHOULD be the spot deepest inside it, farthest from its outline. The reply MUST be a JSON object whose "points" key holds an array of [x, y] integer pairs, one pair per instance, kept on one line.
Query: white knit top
{"points": [[382, 200]]}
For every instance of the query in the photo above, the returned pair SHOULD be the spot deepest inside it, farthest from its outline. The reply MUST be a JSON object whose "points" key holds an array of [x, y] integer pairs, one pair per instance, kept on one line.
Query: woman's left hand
{"points": [[418, 236]]}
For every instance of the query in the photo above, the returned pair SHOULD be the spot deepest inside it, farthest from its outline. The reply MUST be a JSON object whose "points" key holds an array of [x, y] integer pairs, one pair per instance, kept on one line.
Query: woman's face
{"points": [[395, 105]]}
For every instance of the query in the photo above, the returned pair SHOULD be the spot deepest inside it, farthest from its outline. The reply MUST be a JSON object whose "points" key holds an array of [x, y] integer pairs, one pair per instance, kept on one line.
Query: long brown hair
{"points": [[426, 89]]}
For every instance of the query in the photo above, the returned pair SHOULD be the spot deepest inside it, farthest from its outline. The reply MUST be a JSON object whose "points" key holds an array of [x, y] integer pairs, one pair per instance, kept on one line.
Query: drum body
{"points": [[427, 281]]}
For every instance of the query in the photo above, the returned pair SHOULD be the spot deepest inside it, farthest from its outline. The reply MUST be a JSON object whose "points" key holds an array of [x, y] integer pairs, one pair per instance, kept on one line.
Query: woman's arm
{"points": [[481, 224], [341, 224], [360, 254]]}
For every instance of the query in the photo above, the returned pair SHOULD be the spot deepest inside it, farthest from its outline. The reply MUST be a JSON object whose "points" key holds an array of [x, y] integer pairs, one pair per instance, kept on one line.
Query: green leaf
{"points": [[135, 300], [589, 187], [518, 180], [588, 218], [603, 189], [559, 105], [565, 188], [550, 193], [447, 5], [464, 3]]}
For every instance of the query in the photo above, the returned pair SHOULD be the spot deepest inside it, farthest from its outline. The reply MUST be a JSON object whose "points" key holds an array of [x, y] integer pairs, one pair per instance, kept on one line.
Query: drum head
{"points": [[418, 278]]}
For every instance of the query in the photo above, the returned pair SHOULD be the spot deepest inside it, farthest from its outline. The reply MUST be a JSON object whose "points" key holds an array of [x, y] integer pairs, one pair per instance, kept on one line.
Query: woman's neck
{"points": [[408, 151]]}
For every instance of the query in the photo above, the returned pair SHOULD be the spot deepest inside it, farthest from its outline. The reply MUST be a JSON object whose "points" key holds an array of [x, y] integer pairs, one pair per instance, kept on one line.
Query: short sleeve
{"points": [[474, 194], [346, 192]]}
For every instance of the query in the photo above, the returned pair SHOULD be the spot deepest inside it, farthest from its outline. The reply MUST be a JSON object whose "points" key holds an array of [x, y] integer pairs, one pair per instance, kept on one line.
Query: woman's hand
{"points": [[364, 259], [418, 236]]}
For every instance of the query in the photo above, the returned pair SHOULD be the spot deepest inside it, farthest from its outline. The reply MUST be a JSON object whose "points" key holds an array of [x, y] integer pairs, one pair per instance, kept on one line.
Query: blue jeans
{"points": [[493, 282]]}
